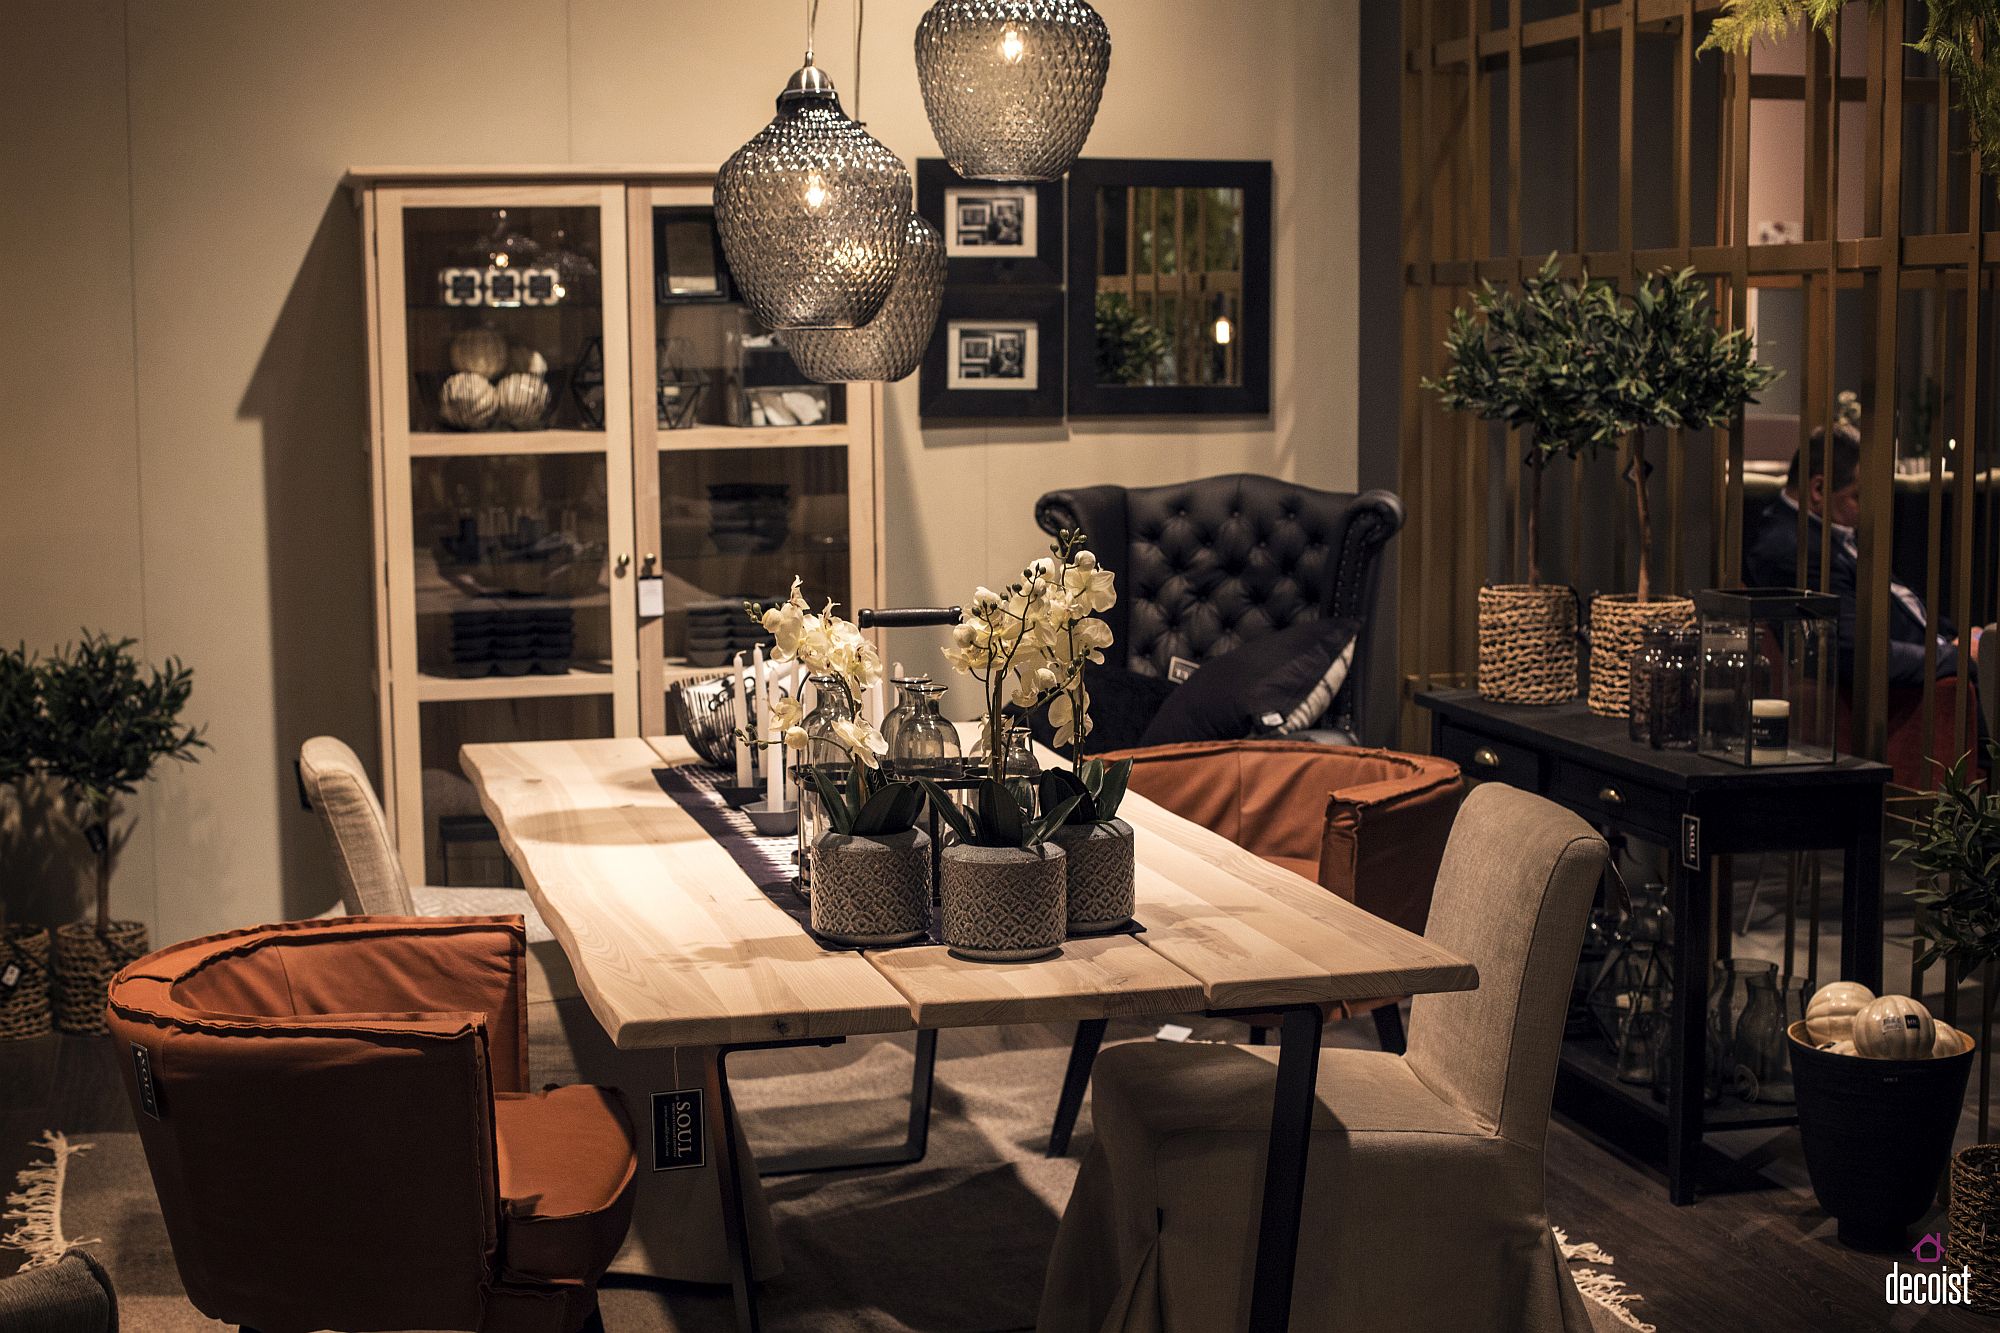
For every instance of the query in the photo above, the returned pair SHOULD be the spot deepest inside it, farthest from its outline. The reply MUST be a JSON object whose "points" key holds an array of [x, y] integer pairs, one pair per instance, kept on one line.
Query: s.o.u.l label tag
{"points": [[142, 1065], [680, 1138]]}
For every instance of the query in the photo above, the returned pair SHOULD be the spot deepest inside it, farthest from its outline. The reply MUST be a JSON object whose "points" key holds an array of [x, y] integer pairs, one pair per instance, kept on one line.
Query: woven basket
{"points": [[24, 1012], [85, 963], [1974, 1238], [1618, 621], [1527, 643]]}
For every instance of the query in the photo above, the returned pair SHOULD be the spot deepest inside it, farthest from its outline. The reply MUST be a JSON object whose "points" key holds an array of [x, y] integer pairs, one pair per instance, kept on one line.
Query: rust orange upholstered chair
{"points": [[335, 1117], [1369, 825]]}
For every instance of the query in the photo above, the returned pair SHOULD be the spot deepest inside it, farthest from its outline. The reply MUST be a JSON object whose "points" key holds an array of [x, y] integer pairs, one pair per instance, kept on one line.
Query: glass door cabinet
{"points": [[568, 402]]}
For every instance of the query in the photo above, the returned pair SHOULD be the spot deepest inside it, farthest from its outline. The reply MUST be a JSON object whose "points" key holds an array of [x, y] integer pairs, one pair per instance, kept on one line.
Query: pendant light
{"points": [[812, 212], [1012, 86], [889, 346]]}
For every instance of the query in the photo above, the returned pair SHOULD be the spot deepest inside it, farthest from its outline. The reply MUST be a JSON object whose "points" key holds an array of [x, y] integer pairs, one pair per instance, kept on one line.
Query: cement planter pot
{"points": [[85, 963], [24, 982], [1099, 857], [870, 892], [1005, 904]]}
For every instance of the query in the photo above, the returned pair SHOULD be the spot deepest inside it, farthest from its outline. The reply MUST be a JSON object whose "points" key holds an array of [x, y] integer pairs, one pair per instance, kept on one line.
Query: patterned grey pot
{"points": [[1004, 904], [872, 891], [1100, 875]]}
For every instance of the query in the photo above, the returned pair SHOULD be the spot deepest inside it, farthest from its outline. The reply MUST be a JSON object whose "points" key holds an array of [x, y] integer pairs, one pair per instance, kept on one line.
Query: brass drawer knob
{"points": [[1610, 796], [1485, 758]]}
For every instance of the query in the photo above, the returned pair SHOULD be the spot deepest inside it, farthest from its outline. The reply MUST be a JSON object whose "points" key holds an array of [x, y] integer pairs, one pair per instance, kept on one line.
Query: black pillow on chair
{"points": [[1282, 683], [1121, 704]]}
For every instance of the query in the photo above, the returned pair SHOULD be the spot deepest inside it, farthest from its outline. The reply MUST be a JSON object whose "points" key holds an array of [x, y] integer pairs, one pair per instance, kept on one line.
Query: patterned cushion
{"points": [[437, 900]]}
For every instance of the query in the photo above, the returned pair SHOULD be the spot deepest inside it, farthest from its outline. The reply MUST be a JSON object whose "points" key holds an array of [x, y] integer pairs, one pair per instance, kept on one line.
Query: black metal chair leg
{"points": [[1389, 1028], [915, 1143], [1076, 1079], [1285, 1170], [1259, 1036]]}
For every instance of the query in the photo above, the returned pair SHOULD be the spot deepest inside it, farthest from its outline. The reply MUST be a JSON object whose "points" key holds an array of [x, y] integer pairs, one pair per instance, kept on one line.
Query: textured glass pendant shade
{"points": [[812, 213], [889, 346], [1012, 86]]}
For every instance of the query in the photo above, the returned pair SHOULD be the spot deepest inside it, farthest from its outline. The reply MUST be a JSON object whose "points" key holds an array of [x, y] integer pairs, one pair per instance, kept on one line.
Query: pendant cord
{"points": [[860, 9], [812, 24]]}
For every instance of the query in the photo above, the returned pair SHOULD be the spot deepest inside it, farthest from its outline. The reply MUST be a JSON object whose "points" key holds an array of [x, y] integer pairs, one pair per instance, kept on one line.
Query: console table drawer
{"points": [[1596, 794], [1487, 760]]}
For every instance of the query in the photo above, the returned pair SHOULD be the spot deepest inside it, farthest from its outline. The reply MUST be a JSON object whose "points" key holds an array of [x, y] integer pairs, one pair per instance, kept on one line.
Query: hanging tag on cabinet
{"points": [[652, 592]]}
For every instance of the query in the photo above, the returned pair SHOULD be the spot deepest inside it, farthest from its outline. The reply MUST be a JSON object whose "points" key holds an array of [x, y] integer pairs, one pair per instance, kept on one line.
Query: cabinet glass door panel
{"points": [[512, 566], [738, 525], [504, 318]]}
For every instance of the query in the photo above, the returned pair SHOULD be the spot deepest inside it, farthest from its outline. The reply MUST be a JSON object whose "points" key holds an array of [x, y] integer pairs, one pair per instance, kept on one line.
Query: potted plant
{"points": [[1547, 360], [1003, 884], [104, 724], [24, 948], [1097, 845], [1681, 372], [1954, 845]]}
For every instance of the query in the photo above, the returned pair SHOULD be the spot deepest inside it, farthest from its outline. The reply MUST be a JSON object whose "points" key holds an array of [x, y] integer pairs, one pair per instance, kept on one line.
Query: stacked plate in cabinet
{"points": [[719, 629], [491, 637]]}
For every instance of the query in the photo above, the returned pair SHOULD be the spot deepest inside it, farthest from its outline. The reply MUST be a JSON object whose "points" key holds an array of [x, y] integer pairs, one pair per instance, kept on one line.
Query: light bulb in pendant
{"points": [[1012, 48], [1224, 331], [815, 193]]}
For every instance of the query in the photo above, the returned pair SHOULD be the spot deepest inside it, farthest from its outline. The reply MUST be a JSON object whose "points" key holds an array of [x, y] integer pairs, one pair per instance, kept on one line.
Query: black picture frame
{"points": [[944, 395], [1041, 267], [667, 220], [1087, 397]]}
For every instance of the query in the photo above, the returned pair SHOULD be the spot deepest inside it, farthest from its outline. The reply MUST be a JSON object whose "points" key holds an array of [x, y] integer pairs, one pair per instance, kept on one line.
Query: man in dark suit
{"points": [[1832, 493]]}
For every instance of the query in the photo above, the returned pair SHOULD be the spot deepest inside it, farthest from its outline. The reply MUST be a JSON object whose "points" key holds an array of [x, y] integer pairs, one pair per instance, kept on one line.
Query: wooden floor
{"points": [[1742, 1258]]}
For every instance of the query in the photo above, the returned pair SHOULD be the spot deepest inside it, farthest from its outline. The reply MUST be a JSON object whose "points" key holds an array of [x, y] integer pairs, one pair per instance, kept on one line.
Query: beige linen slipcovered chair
{"points": [[677, 1230], [1424, 1193]]}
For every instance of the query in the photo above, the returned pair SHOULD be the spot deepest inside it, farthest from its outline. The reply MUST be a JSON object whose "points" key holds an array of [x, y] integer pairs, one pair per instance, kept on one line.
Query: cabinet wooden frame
{"points": [[629, 447]]}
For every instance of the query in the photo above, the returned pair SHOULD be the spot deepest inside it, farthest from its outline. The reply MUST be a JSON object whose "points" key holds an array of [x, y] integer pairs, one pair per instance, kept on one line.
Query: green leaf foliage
{"points": [[1687, 372], [1552, 358], [106, 721], [20, 713], [1956, 34], [865, 804], [1955, 848], [1129, 346], [997, 818], [1094, 791]]}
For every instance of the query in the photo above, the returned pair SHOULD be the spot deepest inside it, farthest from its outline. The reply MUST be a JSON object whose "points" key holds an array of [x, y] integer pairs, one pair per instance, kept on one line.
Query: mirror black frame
{"points": [[1088, 398]]}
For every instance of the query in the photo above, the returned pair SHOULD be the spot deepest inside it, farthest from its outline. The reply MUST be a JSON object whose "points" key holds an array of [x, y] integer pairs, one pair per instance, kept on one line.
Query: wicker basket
{"points": [[1618, 621], [1973, 1240], [1527, 643], [85, 963], [24, 1010]]}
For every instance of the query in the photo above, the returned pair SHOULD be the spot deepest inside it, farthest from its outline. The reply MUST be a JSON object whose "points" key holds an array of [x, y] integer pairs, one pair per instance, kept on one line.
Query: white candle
{"points": [[873, 712], [744, 746], [760, 706]]}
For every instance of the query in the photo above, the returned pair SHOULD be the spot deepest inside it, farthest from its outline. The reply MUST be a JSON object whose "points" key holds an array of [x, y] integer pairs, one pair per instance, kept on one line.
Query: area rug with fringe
{"points": [[956, 1244]]}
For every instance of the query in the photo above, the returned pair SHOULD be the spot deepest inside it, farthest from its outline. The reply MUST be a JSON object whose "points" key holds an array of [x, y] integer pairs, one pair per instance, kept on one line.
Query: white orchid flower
{"points": [[862, 741]]}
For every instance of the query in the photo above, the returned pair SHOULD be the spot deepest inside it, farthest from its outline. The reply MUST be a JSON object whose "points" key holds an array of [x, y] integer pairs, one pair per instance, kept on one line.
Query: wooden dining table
{"points": [[673, 945]]}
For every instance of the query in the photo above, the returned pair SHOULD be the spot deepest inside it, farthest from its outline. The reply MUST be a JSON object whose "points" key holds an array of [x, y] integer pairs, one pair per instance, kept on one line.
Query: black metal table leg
{"points": [[1861, 902], [1076, 1079], [1285, 1170], [729, 1178], [915, 1143], [1688, 1025]]}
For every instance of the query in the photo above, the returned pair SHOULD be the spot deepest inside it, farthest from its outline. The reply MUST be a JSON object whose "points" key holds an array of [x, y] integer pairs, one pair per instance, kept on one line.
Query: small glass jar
{"points": [[1666, 681], [905, 708], [926, 744], [1021, 768]]}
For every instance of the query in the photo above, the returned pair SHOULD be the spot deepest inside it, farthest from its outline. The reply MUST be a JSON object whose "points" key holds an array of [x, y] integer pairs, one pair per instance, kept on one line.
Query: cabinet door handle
{"points": [[621, 564], [1610, 796], [1485, 758]]}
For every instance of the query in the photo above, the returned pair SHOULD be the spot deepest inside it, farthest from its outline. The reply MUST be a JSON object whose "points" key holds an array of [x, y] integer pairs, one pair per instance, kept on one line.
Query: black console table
{"points": [[1699, 808]]}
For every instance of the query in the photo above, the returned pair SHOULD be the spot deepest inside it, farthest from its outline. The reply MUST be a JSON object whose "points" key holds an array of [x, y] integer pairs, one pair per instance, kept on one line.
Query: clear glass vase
{"points": [[1728, 996], [1760, 1049], [925, 744], [905, 708], [823, 750]]}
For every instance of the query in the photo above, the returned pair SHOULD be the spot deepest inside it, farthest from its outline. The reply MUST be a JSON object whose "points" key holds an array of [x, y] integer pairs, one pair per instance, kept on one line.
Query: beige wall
{"points": [[181, 411]]}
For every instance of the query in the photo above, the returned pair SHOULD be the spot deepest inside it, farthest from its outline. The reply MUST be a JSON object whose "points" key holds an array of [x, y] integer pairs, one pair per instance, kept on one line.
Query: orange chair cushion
{"points": [[566, 1173]]}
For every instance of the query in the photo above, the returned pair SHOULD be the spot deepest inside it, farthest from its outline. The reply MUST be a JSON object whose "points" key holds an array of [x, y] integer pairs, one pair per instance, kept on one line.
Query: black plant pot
{"points": [[1877, 1135]]}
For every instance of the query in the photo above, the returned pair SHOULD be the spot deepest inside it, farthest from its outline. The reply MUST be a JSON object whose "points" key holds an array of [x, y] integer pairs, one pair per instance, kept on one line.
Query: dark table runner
{"points": [[770, 862]]}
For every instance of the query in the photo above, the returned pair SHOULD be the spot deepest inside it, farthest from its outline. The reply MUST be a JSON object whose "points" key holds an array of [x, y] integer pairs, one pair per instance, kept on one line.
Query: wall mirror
{"points": [[1169, 287]]}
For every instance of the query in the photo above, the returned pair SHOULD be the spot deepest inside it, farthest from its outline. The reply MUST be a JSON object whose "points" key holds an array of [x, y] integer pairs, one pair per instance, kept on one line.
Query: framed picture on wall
{"points": [[997, 352], [995, 232]]}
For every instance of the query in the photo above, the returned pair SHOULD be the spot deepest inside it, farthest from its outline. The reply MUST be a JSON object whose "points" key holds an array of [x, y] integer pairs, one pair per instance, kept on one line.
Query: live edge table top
{"points": [[672, 945]]}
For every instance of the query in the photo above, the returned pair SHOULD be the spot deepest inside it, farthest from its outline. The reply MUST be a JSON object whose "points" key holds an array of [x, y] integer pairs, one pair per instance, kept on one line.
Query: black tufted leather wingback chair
{"points": [[1206, 566]]}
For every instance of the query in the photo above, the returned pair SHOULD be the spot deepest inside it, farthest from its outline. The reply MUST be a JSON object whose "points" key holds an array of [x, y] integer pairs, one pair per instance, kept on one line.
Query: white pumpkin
{"points": [[1949, 1041], [1830, 1016], [468, 402], [524, 400], [1894, 1027], [480, 351], [526, 361]]}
